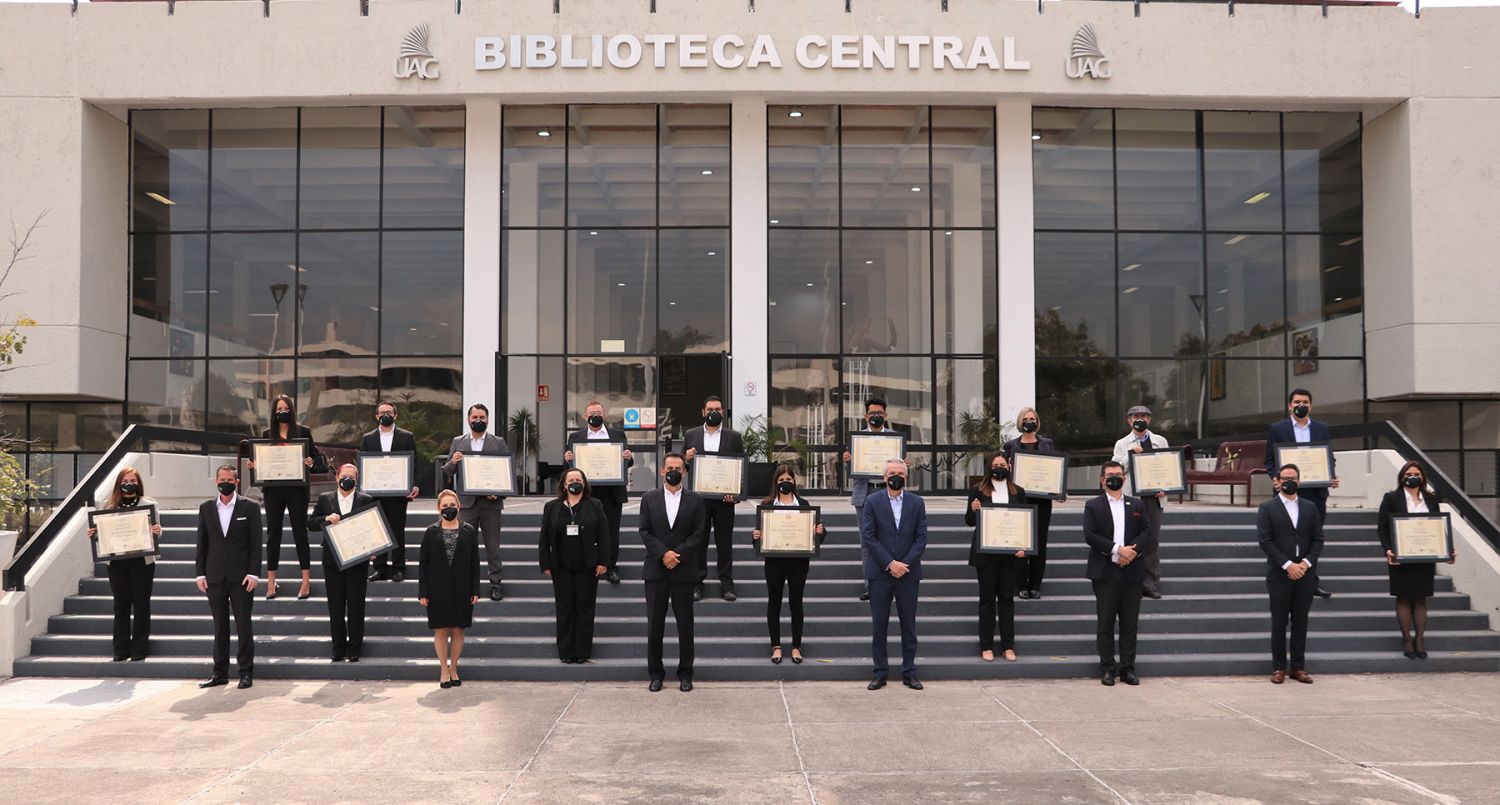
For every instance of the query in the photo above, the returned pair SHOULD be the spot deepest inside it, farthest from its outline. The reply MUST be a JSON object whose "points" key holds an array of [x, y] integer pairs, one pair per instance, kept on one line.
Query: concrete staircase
{"points": [[1213, 620]]}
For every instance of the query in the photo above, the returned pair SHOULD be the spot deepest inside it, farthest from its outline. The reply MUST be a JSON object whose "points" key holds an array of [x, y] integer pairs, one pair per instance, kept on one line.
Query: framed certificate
{"points": [[1007, 529], [388, 475], [1421, 537], [1042, 475], [279, 463], [603, 462], [123, 533], [1161, 470], [715, 476], [359, 536], [1314, 463], [868, 453], [787, 531], [485, 475]]}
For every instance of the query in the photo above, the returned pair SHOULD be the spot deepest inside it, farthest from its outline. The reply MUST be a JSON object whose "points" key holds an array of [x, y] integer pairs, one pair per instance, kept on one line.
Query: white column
{"points": [[748, 387], [482, 254], [1016, 286]]}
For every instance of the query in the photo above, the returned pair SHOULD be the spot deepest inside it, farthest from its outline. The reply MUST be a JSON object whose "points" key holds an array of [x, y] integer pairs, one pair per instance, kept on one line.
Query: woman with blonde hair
{"points": [[1031, 440], [131, 580], [448, 583]]}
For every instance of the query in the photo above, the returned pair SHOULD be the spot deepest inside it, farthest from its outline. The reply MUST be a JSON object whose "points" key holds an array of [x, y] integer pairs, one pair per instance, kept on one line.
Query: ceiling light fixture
{"points": [[1235, 239], [1131, 289], [1258, 198], [794, 113], [543, 133], [1349, 242], [1131, 267], [159, 197]]}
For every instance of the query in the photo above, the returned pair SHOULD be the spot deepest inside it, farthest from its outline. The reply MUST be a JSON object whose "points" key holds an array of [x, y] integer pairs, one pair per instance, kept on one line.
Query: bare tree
{"points": [[12, 340]]}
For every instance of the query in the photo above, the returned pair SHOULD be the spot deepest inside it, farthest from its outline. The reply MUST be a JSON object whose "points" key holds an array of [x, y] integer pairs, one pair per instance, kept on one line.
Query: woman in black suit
{"points": [[1411, 583], [130, 580], [998, 574], [1031, 441], [448, 583], [281, 501], [786, 571], [573, 548]]}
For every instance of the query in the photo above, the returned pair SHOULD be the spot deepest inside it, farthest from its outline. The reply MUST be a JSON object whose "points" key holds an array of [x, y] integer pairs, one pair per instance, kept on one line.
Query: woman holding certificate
{"points": [[998, 573], [130, 580], [287, 502], [1032, 441], [573, 550], [785, 571], [1411, 582], [448, 583]]}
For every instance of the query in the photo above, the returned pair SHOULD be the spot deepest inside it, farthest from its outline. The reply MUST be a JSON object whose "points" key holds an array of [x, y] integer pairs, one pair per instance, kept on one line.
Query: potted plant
{"points": [[757, 438], [984, 434], [527, 439]]}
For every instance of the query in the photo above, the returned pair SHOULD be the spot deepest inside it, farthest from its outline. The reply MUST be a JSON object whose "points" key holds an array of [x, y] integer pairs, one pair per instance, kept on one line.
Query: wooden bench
{"points": [[1237, 463]]}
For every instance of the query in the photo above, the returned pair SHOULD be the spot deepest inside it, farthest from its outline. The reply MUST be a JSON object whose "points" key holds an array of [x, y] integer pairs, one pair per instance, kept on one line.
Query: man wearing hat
{"points": [[1139, 440]]}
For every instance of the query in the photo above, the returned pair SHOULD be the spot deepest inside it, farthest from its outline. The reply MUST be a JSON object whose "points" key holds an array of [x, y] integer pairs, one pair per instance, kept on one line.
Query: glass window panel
{"points": [[612, 165], [251, 305], [1337, 386], [611, 290], [240, 394], [963, 166], [966, 304], [1244, 298], [1242, 170], [169, 300], [802, 162], [617, 383], [531, 290], [1161, 295], [887, 291], [254, 169], [694, 165], [74, 426], [1450, 464], [1482, 424], [169, 170], [1480, 472], [340, 168], [335, 397], [1075, 294], [523, 373], [1073, 168], [883, 171], [904, 383], [1490, 507], [1325, 294], [51, 474], [1244, 396], [1324, 171], [13, 426], [804, 293], [422, 293], [1176, 391], [535, 153], [804, 408], [167, 393], [339, 294], [423, 185], [694, 283], [966, 400], [429, 396], [1077, 403], [1156, 167], [1433, 425]]}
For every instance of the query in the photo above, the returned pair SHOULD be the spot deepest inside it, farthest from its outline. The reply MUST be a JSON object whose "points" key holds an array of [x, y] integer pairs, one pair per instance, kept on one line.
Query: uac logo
{"points": [[1087, 59], [416, 58]]}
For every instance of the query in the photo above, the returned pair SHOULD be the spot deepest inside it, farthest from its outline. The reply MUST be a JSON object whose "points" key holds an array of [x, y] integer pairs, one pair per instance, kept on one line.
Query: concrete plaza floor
{"points": [[1363, 739]]}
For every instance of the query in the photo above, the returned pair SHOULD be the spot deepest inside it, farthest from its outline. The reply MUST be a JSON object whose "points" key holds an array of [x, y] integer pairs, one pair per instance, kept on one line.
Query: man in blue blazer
{"points": [[1117, 530], [893, 531], [1300, 428]]}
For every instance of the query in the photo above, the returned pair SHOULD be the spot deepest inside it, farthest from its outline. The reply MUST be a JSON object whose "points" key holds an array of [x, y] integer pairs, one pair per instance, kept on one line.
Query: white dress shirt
{"points": [[385, 439], [1117, 517], [600, 434], [226, 512], [1302, 433], [711, 440], [476, 445], [1417, 505], [1292, 511], [346, 503], [674, 502], [896, 507], [1001, 494]]}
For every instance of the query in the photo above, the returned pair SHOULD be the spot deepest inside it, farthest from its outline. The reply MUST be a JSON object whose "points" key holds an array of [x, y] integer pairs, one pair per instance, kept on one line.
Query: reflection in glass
{"points": [[1480, 476], [340, 303], [240, 394], [694, 289], [802, 165], [169, 170], [887, 287], [531, 289], [1077, 403], [429, 396], [1161, 298], [904, 383], [1325, 293], [169, 300], [617, 382], [1242, 170], [963, 166], [1175, 391], [74, 426], [1244, 396], [1482, 424], [803, 408], [966, 400], [423, 184], [1245, 296], [612, 165], [804, 295], [693, 170], [883, 167], [422, 293], [252, 302], [1073, 168], [336, 398], [340, 168], [166, 393], [611, 290], [1337, 386], [533, 181], [254, 169], [964, 290], [1324, 170], [1434, 424], [1156, 164], [1075, 293]]}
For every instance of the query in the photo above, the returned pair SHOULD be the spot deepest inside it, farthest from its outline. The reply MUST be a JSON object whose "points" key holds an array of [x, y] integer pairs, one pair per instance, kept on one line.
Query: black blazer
{"points": [[1282, 543], [618, 493], [402, 441], [435, 578], [1282, 432], [1044, 445], [229, 558], [730, 441], [1099, 533], [297, 432], [1395, 502], [971, 519], [689, 537], [328, 503], [593, 531]]}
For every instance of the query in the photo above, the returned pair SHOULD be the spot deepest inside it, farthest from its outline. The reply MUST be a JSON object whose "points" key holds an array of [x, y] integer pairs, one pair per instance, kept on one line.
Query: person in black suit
{"points": [[1291, 535], [228, 567], [1031, 441], [448, 583], [1411, 582], [571, 551], [481, 511], [1300, 427], [715, 438], [786, 571], [387, 438], [346, 588], [998, 575], [612, 497], [674, 528], [1117, 530], [893, 528], [130, 580], [863, 488]]}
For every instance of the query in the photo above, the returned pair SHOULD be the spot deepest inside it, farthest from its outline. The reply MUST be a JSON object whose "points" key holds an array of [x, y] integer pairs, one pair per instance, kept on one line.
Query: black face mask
{"points": [[895, 482], [1028, 426], [386, 420], [226, 487], [347, 484], [999, 473], [714, 418], [877, 420], [1140, 425], [283, 416], [1288, 487], [596, 421], [1412, 482], [478, 425], [1301, 411], [450, 512], [130, 490], [786, 487], [674, 477], [575, 488], [1114, 483]]}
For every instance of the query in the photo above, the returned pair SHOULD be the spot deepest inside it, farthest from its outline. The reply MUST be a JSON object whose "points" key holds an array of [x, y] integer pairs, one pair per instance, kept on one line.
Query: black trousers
{"points": [[1036, 565], [286, 502], [485, 516], [130, 582], [997, 602], [394, 561], [574, 592], [612, 509], [883, 588], [782, 572], [222, 598], [1152, 558], [1290, 601], [721, 525], [679, 594], [1116, 600], [346, 604]]}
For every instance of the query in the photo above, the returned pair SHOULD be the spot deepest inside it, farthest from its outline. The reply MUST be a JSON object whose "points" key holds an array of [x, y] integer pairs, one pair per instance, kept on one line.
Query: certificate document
{"points": [[716, 475], [788, 532], [279, 463], [1042, 475], [359, 536], [1421, 537], [1314, 463], [602, 462], [123, 533], [1006, 529], [1158, 471], [388, 475], [486, 475], [868, 453]]}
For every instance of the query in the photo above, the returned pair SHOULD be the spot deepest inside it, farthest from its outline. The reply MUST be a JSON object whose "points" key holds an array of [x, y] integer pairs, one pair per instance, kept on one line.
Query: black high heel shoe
{"points": [[776, 658], [271, 591], [796, 659]]}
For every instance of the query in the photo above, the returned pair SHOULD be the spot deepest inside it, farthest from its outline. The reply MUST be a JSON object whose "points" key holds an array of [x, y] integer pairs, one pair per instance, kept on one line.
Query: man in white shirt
{"points": [[1142, 440], [1291, 535], [230, 545], [674, 529], [613, 498], [387, 438], [893, 531], [1118, 536], [715, 437], [481, 511]]}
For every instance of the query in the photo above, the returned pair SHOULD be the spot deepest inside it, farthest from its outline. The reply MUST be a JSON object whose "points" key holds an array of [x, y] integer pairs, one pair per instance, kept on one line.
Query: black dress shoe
{"points": [[1107, 679], [864, 596], [245, 681], [613, 576], [118, 658], [655, 686], [1152, 594], [685, 684], [875, 684], [138, 658], [1036, 595], [398, 577], [445, 685], [458, 683], [1128, 677], [912, 682], [567, 660], [352, 657], [728, 594], [336, 658], [1421, 655], [697, 592], [375, 575], [213, 682], [495, 594], [1322, 593]]}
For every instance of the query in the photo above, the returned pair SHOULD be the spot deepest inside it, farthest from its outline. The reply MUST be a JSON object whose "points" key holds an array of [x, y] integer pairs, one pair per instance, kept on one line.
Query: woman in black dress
{"points": [[448, 583], [287, 502], [130, 580], [998, 574], [1031, 441], [787, 571], [573, 548], [1411, 583]]}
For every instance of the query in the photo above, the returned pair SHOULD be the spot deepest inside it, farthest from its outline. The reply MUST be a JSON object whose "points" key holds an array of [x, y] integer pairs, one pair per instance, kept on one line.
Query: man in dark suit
{"points": [[228, 558], [612, 497], [346, 588], [1301, 428], [674, 528], [875, 418], [1291, 534], [1117, 529], [893, 530], [481, 511], [387, 438], [715, 438]]}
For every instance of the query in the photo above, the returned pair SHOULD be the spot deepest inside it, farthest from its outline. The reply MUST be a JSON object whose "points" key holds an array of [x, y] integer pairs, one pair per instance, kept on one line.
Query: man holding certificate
{"points": [[481, 511], [714, 438], [346, 588], [1142, 440], [1301, 428], [674, 528], [385, 440], [1291, 535], [611, 496], [893, 529], [875, 411], [228, 564]]}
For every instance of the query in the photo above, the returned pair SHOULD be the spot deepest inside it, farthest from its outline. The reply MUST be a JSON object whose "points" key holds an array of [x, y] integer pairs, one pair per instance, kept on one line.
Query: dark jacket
{"points": [[885, 542], [1394, 503], [1282, 432], [689, 537], [971, 519], [402, 441], [619, 493], [1099, 533], [730, 441], [436, 579], [1281, 543], [328, 503], [229, 558], [593, 533], [1043, 444], [818, 520]]}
